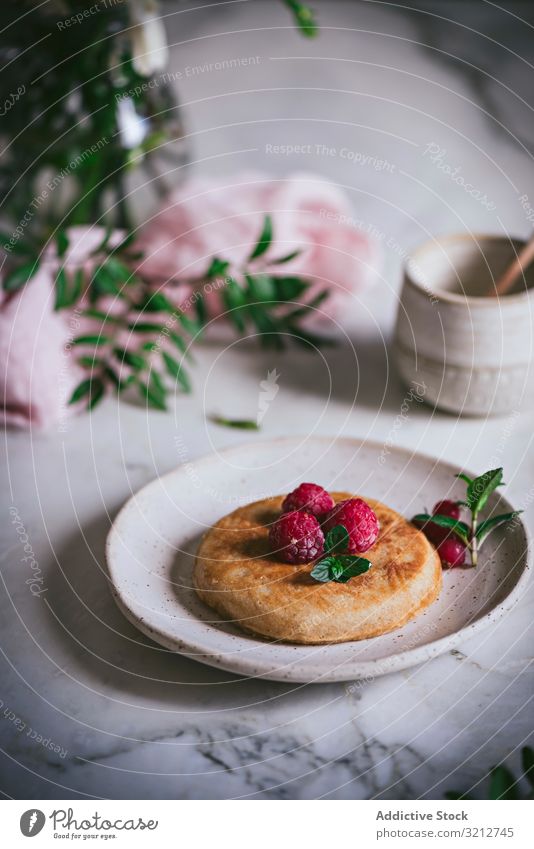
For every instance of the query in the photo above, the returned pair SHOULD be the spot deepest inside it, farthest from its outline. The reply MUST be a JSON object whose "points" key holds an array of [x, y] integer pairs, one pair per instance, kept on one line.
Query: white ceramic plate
{"points": [[151, 548]]}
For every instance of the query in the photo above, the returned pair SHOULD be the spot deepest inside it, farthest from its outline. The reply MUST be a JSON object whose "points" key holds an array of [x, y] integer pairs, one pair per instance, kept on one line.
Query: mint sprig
{"points": [[339, 568], [478, 491], [459, 528], [335, 566]]}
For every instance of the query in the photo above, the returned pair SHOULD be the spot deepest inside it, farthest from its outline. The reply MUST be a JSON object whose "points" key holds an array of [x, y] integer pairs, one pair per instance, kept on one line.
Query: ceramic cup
{"points": [[466, 352]]}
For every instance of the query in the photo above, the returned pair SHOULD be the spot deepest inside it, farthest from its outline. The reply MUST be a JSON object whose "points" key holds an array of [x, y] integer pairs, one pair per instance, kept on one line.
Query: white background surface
{"points": [[138, 722]]}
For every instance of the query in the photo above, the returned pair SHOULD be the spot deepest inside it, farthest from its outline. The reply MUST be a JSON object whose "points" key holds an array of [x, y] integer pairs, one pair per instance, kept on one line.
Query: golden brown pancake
{"points": [[236, 574]]}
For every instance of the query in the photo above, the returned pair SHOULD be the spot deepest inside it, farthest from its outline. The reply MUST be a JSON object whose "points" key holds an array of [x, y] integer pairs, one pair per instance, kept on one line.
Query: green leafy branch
{"points": [[267, 302], [133, 310], [264, 302], [472, 534]]}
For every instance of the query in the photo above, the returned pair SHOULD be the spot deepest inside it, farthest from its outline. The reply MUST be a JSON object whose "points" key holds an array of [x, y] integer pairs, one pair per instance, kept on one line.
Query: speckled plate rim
{"points": [[253, 664]]}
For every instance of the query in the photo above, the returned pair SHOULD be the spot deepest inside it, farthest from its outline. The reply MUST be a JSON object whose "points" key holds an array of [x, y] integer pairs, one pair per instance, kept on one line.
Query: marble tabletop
{"points": [[91, 708]]}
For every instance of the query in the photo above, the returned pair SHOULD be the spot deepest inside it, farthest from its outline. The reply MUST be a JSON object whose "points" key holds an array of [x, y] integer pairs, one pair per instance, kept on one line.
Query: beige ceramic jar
{"points": [[473, 353]]}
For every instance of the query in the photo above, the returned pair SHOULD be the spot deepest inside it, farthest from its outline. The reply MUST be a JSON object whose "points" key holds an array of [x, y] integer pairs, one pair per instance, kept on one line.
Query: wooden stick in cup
{"points": [[517, 267]]}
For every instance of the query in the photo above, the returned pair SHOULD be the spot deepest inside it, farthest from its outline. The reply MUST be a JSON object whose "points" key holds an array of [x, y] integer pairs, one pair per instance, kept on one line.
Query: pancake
{"points": [[236, 574]]}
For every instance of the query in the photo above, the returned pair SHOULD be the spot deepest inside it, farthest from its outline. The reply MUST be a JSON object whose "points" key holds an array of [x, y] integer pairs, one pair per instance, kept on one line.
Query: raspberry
{"points": [[309, 497], [447, 508], [297, 537], [360, 521], [435, 533], [452, 552]]}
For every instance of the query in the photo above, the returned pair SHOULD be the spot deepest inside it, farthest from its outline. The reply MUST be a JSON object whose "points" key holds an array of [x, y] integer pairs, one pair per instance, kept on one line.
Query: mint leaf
{"points": [[339, 568], [479, 490], [488, 525], [265, 239], [459, 528], [336, 540], [463, 477]]}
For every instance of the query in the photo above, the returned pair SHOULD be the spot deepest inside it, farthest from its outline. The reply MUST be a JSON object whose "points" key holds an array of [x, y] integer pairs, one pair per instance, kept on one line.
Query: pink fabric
{"points": [[223, 217], [202, 219], [38, 369]]}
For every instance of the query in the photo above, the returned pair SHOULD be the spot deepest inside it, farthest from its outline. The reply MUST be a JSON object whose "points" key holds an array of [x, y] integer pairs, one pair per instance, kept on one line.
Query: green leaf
{"points": [[289, 288], [286, 258], [503, 785], [261, 287], [190, 325], [124, 243], [61, 290], [156, 302], [488, 525], [68, 294], [145, 327], [91, 339], [181, 344], [479, 490], [62, 243], [97, 393], [158, 384], [459, 528], [118, 270], [19, 247], [454, 795], [304, 18], [83, 388], [527, 761], [339, 568], [102, 316], [90, 362], [240, 424], [119, 384], [104, 243], [135, 361], [336, 540], [77, 287], [200, 310], [20, 275], [175, 370], [151, 395], [104, 283], [218, 267], [234, 300], [266, 237]]}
